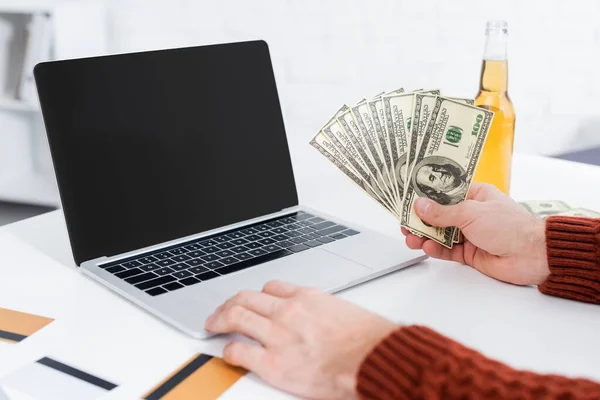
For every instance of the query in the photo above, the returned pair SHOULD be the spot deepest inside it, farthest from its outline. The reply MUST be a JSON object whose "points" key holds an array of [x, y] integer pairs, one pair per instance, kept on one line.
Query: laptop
{"points": [[177, 185]]}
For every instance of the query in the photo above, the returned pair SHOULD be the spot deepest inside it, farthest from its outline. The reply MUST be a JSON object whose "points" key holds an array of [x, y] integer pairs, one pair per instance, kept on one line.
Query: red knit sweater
{"points": [[415, 362]]}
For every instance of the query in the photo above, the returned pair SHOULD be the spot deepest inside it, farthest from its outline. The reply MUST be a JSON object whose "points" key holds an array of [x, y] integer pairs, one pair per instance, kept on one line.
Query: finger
{"points": [[414, 242], [280, 289], [405, 231], [436, 250], [259, 302], [460, 214], [238, 319], [245, 355], [477, 191], [484, 192]]}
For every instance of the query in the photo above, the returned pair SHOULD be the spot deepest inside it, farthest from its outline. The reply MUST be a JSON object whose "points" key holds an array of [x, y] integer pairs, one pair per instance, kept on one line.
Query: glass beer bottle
{"points": [[495, 162]]}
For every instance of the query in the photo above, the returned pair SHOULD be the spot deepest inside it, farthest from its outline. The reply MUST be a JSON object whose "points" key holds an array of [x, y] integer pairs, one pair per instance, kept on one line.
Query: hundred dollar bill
{"points": [[334, 132], [444, 167], [366, 127], [376, 111], [329, 151], [579, 212], [421, 122], [387, 131], [458, 238], [420, 113], [421, 118], [363, 147], [544, 208], [457, 233], [397, 111]]}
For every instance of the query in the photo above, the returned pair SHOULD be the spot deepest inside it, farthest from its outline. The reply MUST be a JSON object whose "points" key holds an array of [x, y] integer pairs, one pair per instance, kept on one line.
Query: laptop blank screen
{"points": [[150, 147]]}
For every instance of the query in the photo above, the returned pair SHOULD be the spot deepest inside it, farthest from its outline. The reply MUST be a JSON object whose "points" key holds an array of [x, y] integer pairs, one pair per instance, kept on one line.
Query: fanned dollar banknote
{"points": [[400, 145], [545, 208], [445, 163]]}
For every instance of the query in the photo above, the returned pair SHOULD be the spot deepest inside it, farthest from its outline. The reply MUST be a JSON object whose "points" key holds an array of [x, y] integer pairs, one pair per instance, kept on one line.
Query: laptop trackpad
{"points": [[314, 268]]}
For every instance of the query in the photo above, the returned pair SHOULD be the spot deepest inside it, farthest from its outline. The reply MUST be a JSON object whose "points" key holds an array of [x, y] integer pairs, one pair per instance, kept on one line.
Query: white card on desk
{"points": [[48, 379]]}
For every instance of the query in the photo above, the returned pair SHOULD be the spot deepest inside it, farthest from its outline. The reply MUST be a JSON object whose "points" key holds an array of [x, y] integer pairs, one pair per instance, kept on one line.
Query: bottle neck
{"points": [[494, 72]]}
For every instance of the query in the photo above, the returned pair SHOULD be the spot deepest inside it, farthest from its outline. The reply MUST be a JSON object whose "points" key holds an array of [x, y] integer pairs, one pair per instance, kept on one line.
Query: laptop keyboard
{"points": [[175, 267]]}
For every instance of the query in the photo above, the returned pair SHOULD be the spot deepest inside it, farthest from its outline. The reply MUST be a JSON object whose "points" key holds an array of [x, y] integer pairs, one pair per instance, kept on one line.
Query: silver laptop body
{"points": [[330, 267], [177, 184]]}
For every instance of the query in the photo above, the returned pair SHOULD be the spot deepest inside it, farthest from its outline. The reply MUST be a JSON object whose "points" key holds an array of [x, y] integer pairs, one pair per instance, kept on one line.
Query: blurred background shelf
{"points": [[33, 31]]}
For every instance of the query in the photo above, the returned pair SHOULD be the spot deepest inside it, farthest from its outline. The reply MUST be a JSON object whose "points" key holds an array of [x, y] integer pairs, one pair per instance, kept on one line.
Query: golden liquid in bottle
{"points": [[495, 163]]}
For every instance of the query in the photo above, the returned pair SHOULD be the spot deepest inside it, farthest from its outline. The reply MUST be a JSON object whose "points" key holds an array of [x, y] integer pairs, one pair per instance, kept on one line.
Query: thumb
{"points": [[442, 216]]}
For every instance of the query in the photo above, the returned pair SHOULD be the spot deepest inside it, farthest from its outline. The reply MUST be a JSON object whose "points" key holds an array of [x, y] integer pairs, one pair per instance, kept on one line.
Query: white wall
{"points": [[327, 52]]}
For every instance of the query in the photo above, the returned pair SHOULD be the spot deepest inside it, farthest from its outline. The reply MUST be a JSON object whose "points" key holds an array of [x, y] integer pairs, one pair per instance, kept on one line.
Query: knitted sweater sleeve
{"points": [[415, 362], [573, 246]]}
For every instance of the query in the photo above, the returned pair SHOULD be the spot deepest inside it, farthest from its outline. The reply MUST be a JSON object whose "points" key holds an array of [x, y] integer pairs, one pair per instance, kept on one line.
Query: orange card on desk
{"points": [[16, 326], [202, 377]]}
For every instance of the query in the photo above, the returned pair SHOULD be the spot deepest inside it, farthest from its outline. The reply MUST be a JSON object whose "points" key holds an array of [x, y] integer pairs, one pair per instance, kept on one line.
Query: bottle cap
{"points": [[497, 25]]}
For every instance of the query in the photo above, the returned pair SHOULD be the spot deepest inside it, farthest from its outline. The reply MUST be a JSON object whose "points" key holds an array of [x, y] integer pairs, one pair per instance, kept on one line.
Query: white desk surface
{"points": [[97, 330]]}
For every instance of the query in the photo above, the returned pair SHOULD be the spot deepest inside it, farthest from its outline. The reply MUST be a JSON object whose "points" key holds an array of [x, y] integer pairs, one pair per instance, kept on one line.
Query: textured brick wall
{"points": [[328, 52]]}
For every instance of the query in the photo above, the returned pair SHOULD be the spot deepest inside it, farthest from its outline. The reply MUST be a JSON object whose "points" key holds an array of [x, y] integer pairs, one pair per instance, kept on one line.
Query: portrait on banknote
{"points": [[441, 179], [401, 171]]}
